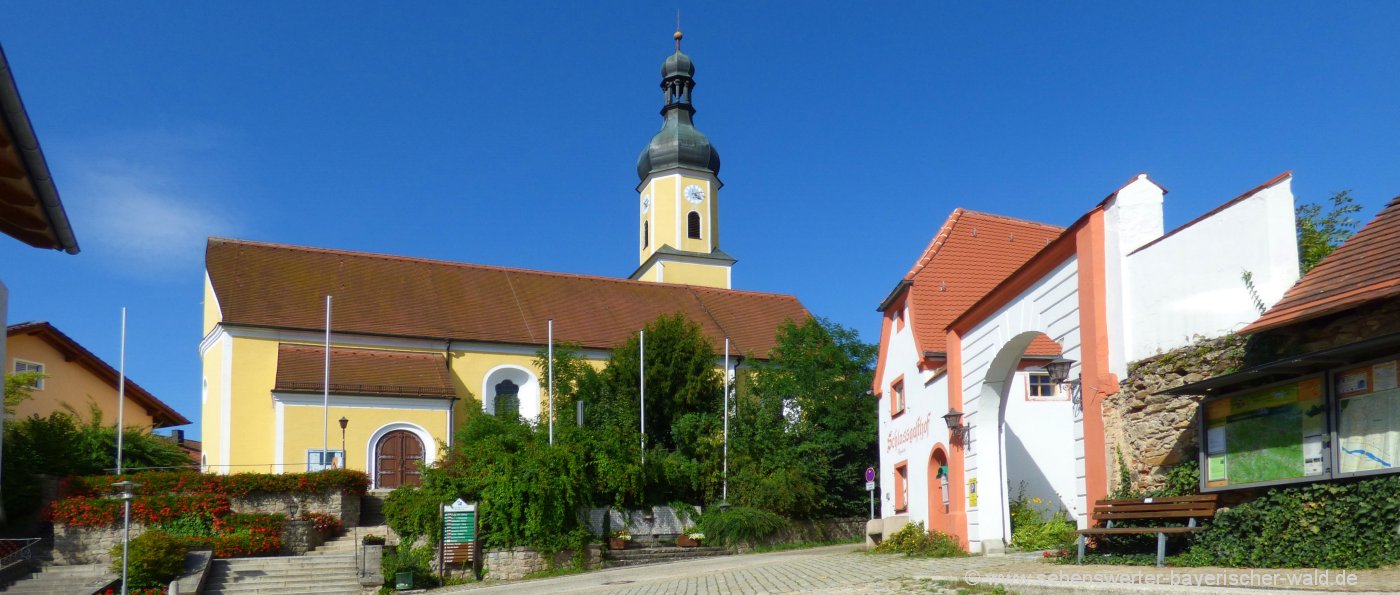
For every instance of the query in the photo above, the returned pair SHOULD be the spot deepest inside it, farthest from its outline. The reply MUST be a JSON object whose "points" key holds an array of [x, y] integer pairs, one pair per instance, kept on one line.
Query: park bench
{"points": [[1177, 508]]}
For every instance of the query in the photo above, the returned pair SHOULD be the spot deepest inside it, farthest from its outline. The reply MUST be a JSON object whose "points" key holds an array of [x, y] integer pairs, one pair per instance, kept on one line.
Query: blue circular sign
{"points": [[869, 474]]}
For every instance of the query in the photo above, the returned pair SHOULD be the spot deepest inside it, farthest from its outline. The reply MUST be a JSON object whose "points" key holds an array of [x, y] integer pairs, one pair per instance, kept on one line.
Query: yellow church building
{"points": [[412, 339]]}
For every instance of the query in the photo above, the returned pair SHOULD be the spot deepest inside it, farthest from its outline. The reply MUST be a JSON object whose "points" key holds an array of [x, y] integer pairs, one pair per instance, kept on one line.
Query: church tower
{"points": [[678, 206]]}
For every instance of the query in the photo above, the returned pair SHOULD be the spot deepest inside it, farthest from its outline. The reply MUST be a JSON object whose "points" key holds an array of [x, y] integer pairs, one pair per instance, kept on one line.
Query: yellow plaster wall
{"points": [[303, 431], [707, 240], [211, 415], [662, 215], [705, 275], [251, 414], [71, 384]]}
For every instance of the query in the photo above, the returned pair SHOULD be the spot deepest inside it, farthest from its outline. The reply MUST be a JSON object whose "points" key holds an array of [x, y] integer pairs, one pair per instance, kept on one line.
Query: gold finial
{"points": [[678, 30]]}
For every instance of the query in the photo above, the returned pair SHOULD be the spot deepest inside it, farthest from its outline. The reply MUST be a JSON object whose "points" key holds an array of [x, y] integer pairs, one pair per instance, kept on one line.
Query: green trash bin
{"points": [[403, 580]]}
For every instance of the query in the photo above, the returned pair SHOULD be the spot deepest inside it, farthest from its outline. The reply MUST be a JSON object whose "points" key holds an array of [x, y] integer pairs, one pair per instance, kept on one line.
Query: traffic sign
{"points": [[869, 474], [869, 486]]}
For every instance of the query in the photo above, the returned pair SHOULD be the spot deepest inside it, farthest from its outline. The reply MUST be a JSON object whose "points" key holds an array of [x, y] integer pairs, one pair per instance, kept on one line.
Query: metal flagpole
{"points": [[725, 496], [642, 339], [121, 396], [551, 381], [326, 390]]}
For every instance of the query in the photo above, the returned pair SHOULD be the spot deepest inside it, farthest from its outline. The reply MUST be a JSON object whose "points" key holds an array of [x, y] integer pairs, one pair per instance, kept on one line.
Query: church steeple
{"points": [[679, 172]]}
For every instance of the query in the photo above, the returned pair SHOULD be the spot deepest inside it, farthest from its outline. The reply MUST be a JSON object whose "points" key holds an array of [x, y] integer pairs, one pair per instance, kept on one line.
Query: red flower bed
{"points": [[239, 484], [150, 510], [326, 524]]}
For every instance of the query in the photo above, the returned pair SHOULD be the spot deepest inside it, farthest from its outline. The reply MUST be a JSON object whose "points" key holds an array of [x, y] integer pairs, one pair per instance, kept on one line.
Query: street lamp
{"points": [[126, 487], [954, 420], [1058, 369], [343, 455]]}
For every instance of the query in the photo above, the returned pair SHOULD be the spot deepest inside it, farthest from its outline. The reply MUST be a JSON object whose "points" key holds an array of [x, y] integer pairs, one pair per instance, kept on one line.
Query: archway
{"points": [[496, 389], [428, 447], [1024, 438], [398, 457], [939, 492]]}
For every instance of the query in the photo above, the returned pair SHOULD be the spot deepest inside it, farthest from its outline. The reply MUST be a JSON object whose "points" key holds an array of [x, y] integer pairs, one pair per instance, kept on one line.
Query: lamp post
{"points": [[954, 420], [126, 487], [1058, 369], [344, 455]]}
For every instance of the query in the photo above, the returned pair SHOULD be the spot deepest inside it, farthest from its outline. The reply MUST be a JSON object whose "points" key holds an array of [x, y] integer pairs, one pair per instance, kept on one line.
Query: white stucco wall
{"points": [[1039, 447], [991, 352], [917, 430], [1189, 284]]}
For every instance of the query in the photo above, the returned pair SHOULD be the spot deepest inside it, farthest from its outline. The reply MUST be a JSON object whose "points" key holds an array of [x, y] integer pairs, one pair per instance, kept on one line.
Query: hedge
{"points": [[151, 510], [235, 485]]}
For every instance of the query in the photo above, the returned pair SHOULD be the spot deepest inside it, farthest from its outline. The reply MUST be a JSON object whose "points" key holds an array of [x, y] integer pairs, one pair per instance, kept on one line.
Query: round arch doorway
{"points": [[397, 458]]}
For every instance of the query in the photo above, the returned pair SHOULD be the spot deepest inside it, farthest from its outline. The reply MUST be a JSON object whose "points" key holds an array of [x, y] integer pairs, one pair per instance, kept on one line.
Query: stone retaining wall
{"points": [[345, 505], [1154, 432], [514, 563], [87, 545], [816, 530]]}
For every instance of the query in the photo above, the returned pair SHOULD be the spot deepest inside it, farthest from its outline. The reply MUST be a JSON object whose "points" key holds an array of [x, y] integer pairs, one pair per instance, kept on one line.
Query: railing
{"points": [[14, 551]]}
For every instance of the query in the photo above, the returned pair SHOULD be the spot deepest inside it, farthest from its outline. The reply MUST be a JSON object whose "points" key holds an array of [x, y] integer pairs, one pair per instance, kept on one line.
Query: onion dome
{"points": [[678, 144]]}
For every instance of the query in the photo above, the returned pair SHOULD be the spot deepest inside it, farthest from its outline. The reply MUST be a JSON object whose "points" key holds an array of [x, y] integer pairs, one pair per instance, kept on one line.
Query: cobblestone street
{"points": [[848, 570]]}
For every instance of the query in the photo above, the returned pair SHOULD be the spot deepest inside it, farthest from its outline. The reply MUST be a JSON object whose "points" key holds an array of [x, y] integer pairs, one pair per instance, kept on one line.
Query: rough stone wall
{"points": [[85, 545], [1358, 324], [299, 537], [1154, 432], [344, 505], [514, 563], [818, 530]]}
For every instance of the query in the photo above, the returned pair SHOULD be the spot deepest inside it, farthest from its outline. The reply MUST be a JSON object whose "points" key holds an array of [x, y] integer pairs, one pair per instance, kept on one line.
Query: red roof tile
{"points": [[1364, 268], [301, 368], [273, 285], [970, 255]]}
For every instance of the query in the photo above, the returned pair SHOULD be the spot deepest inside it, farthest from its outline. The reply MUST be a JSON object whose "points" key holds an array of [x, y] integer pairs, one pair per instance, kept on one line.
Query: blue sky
{"points": [[508, 135]]}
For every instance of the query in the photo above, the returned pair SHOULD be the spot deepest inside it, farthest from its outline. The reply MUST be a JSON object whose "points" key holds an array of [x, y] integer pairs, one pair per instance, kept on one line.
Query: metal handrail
{"points": [[18, 555]]}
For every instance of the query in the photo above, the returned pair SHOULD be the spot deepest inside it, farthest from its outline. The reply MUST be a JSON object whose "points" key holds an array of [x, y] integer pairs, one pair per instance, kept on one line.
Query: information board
{"points": [[1265, 435], [459, 529], [1368, 417]]}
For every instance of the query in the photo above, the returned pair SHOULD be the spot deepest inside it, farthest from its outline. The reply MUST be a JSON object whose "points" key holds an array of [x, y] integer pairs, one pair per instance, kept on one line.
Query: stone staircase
{"points": [[327, 573], [65, 580], [657, 555]]}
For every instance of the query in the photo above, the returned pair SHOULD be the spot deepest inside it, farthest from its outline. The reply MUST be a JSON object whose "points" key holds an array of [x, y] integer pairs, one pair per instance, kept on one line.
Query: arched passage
{"points": [[939, 491]]}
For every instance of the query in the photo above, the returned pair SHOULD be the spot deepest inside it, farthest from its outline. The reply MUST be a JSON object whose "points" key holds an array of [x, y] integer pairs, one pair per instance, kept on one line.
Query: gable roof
{"points": [[301, 368], [163, 415], [970, 255], [280, 286], [1365, 268], [30, 210]]}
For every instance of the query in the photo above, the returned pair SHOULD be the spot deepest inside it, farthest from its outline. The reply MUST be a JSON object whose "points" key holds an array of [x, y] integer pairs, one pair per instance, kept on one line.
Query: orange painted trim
{"points": [[1098, 380], [897, 389], [901, 487], [882, 360], [957, 464], [938, 519]]}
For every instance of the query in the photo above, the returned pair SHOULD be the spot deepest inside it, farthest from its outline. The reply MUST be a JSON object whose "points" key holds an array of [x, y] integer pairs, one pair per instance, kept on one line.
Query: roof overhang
{"points": [[668, 254], [1290, 367], [894, 294], [30, 209]]}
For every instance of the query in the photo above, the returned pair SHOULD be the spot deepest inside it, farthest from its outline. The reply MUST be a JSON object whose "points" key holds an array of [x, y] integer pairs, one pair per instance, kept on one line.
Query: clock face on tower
{"points": [[694, 194], [646, 202]]}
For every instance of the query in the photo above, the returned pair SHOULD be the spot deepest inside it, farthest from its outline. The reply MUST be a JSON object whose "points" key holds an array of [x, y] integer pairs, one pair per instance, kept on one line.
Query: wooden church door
{"points": [[398, 455]]}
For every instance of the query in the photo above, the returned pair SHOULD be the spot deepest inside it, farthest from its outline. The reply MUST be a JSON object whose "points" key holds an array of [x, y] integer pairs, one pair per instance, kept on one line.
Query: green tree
{"points": [[1320, 233], [807, 427], [20, 388]]}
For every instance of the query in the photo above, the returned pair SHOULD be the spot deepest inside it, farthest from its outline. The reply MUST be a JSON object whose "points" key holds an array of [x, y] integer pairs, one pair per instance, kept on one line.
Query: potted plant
{"points": [[619, 538], [689, 539]]}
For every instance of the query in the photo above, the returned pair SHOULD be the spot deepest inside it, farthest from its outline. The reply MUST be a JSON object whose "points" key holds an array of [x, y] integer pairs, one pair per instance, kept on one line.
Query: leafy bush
{"points": [[1032, 530], [154, 558], [151, 510], [913, 540], [326, 524], [1321, 525], [235, 485], [189, 525], [739, 525], [403, 559]]}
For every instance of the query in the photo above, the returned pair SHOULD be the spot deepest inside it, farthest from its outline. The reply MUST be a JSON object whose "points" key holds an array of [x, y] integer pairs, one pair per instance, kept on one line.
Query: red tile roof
{"points": [[1364, 268], [163, 415], [274, 285], [301, 368], [970, 255]]}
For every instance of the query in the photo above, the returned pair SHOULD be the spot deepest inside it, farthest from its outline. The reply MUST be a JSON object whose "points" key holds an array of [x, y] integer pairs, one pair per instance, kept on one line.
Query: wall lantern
{"points": [[1058, 369], [954, 420]]}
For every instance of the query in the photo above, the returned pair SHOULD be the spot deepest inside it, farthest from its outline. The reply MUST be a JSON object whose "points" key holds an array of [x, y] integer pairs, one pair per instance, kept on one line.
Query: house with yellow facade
{"points": [[75, 380], [413, 340]]}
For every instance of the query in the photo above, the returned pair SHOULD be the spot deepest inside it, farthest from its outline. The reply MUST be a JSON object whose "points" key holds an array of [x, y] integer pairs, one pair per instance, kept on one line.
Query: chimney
{"points": [[179, 436]]}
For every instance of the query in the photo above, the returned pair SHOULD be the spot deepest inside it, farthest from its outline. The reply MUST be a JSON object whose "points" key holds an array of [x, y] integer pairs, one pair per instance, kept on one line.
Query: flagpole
{"points": [[551, 381], [642, 357], [121, 394], [725, 496], [325, 391]]}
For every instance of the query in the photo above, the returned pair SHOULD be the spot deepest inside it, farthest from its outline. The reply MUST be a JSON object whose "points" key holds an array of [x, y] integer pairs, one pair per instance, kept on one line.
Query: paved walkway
{"points": [[848, 570]]}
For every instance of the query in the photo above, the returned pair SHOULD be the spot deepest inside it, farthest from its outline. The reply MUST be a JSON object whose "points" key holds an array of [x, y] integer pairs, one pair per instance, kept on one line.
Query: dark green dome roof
{"points": [[678, 144]]}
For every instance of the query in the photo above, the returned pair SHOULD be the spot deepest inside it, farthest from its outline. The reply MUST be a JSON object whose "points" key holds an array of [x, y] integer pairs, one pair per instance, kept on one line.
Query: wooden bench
{"points": [[1188, 508]]}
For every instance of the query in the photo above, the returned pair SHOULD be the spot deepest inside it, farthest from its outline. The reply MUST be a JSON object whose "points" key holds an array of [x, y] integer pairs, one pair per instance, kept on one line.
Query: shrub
{"points": [[154, 558], [403, 558], [325, 524], [1322, 525], [232, 486], [1031, 530], [373, 540], [913, 540], [740, 525], [190, 525], [150, 510]]}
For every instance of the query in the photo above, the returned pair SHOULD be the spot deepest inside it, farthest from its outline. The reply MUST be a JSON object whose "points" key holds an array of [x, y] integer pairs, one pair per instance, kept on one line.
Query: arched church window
{"points": [[646, 233], [693, 225], [507, 399]]}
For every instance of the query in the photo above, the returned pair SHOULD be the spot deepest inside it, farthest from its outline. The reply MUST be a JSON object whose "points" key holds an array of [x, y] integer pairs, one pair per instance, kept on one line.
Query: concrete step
{"points": [[285, 575], [657, 555], [347, 588], [65, 580]]}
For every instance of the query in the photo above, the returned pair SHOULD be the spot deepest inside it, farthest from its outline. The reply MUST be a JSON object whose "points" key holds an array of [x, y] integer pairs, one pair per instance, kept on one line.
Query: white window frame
{"points": [[38, 367], [322, 465]]}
